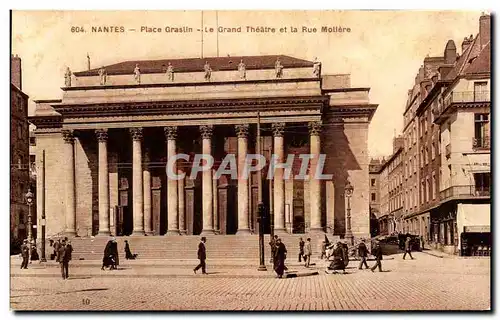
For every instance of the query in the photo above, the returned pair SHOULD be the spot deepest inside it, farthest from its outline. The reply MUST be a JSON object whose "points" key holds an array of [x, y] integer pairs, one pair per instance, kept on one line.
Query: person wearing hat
{"points": [[377, 252], [202, 256], [363, 253], [279, 258], [63, 257], [25, 252]]}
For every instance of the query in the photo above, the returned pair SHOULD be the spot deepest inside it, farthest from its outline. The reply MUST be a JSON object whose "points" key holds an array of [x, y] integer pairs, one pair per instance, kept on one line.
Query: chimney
{"points": [[15, 71], [484, 30], [450, 52], [466, 43]]}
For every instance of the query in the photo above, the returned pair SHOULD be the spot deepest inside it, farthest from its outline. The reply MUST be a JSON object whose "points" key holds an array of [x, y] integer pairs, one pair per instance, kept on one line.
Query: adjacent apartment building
{"points": [[19, 154], [447, 148]]}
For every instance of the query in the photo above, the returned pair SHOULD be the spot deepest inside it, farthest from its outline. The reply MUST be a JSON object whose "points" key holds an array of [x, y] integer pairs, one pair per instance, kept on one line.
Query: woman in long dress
{"points": [[279, 258], [107, 260], [338, 258]]}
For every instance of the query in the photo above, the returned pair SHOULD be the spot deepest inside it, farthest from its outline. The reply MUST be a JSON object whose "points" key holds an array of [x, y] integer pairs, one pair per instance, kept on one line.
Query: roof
{"points": [[475, 60], [197, 64], [15, 88]]}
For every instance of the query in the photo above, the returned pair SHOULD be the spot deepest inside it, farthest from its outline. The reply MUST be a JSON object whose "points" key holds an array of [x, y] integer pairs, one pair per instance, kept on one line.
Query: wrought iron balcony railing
{"points": [[481, 142], [461, 97], [466, 191]]}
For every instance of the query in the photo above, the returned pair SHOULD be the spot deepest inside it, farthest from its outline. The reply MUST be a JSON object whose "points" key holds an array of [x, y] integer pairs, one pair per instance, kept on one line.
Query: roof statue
{"points": [[316, 67], [137, 74], [67, 77], [242, 70], [278, 67], [208, 71], [170, 72], [103, 76]]}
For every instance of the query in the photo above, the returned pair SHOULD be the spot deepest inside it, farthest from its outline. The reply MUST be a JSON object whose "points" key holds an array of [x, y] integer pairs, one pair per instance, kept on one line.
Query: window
{"points": [[426, 155], [481, 130], [19, 131], [374, 197], [433, 151], [373, 182], [433, 186], [482, 183], [481, 91]]}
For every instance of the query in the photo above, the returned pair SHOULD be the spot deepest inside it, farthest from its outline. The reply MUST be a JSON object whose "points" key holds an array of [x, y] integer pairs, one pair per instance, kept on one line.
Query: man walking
{"points": [[63, 257], [407, 248], [279, 258], [307, 253], [202, 256], [301, 250], [25, 252], [377, 252], [363, 253]]}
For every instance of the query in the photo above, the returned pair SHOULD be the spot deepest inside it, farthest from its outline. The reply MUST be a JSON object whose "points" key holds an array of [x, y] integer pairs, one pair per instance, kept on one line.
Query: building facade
{"points": [[375, 196], [452, 119], [19, 154], [107, 142]]}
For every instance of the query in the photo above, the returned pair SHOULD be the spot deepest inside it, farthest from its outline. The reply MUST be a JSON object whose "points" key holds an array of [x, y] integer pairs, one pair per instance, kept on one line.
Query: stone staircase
{"points": [[220, 247]]}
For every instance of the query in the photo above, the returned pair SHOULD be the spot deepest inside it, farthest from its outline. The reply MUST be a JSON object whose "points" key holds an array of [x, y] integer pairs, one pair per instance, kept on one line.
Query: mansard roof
{"points": [[475, 60], [197, 64]]}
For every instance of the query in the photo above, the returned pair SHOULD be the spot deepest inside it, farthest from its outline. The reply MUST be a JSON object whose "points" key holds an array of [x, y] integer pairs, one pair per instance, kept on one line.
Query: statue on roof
{"points": [[316, 67], [170, 72], [137, 74], [208, 71], [242, 70], [67, 77], [278, 68], [103, 75]]}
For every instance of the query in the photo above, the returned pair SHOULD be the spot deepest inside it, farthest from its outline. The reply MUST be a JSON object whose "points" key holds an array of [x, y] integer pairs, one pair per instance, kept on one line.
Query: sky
{"points": [[382, 51]]}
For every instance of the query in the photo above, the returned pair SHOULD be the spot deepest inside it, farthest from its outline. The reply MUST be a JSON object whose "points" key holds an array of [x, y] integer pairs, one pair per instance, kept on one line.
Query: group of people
{"points": [[111, 258]]}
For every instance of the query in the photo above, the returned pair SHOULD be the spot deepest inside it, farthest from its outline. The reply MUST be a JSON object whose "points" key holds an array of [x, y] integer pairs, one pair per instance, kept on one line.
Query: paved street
{"points": [[426, 283]]}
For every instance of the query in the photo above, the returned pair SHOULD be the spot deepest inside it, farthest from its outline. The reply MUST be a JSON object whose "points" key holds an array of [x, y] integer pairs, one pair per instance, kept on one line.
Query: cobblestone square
{"points": [[426, 283]]}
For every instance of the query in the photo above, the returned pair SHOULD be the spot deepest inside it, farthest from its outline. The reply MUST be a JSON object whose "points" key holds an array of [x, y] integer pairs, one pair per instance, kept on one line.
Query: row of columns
{"points": [[141, 182]]}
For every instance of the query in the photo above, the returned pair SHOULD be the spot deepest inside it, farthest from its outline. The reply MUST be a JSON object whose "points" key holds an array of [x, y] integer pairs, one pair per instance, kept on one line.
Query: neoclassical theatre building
{"points": [[107, 141]]}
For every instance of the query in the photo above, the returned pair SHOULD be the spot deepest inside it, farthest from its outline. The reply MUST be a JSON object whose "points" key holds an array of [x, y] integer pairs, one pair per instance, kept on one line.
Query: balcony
{"points": [[465, 192], [481, 143], [455, 98]]}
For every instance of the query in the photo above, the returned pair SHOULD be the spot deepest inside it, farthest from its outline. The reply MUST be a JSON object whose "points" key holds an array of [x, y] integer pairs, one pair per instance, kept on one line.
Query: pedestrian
{"points": [[279, 258], [56, 246], [272, 244], [377, 252], [363, 253], [25, 253], [323, 249], [107, 259], [128, 253], [407, 248], [63, 257], [422, 243], [34, 253], [202, 256], [301, 250], [338, 259], [307, 253], [114, 253]]}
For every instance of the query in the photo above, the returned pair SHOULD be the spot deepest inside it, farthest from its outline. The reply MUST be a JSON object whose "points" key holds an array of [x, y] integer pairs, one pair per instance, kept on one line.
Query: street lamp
{"points": [[349, 189], [29, 201]]}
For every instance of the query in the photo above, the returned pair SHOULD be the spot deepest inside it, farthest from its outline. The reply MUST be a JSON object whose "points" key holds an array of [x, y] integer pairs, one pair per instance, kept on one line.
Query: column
{"points": [[207, 191], [215, 203], [172, 204], [315, 184], [69, 182], [146, 176], [137, 187], [278, 183], [243, 203], [102, 141], [182, 205]]}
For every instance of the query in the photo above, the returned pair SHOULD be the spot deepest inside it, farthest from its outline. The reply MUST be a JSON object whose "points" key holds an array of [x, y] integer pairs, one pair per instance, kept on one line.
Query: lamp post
{"points": [[29, 201], [260, 206], [348, 193]]}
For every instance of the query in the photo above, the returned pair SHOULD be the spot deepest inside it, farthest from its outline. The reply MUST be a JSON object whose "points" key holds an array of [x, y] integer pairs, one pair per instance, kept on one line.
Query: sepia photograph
{"points": [[216, 160]]}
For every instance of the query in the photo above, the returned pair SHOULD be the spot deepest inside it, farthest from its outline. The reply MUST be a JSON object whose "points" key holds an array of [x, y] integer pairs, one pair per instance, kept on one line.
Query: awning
{"points": [[477, 229]]}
